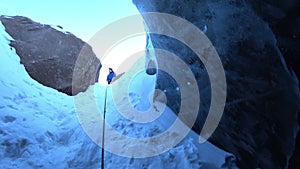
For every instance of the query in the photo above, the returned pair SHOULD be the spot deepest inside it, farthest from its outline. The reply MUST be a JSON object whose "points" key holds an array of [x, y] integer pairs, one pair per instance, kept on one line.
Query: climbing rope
{"points": [[103, 129]]}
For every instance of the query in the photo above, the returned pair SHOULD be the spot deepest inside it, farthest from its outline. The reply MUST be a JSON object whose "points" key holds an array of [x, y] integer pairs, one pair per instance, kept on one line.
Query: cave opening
{"points": [[123, 52]]}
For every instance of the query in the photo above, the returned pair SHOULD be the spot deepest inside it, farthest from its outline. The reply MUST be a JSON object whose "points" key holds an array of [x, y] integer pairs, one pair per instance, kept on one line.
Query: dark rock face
{"points": [[259, 124], [284, 19], [50, 56]]}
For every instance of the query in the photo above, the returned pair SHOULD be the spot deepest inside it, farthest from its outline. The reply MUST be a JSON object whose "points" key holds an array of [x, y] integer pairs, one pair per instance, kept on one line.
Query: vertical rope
{"points": [[103, 129]]}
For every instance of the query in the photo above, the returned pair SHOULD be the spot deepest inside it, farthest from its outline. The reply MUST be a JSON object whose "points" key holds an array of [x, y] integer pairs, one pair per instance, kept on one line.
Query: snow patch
{"points": [[59, 28]]}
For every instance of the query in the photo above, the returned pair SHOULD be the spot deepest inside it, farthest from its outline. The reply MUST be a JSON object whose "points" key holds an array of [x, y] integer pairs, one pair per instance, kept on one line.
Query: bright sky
{"points": [[83, 18]]}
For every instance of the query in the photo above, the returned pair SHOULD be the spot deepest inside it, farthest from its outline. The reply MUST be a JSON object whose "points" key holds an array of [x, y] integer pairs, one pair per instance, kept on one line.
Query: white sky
{"points": [[83, 18]]}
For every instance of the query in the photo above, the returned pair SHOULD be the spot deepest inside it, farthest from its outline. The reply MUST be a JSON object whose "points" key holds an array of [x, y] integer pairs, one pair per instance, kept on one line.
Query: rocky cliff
{"points": [[49, 54], [254, 39]]}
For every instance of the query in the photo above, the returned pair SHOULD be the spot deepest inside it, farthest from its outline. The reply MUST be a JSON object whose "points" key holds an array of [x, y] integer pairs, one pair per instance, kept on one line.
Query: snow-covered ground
{"points": [[43, 128]]}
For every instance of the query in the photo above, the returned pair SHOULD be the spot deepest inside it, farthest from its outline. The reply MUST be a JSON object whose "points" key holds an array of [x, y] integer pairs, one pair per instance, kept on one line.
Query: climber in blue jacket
{"points": [[110, 76]]}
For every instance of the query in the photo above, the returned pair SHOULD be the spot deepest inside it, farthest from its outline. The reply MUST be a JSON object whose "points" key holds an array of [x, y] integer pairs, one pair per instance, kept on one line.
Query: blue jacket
{"points": [[110, 76]]}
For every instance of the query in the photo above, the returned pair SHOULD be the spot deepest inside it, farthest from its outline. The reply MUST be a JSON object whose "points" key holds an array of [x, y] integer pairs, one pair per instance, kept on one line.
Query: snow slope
{"points": [[37, 123], [39, 127]]}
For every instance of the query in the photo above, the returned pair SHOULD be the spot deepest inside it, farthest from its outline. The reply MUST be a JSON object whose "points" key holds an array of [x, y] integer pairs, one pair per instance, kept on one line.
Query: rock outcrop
{"points": [[259, 124], [50, 56]]}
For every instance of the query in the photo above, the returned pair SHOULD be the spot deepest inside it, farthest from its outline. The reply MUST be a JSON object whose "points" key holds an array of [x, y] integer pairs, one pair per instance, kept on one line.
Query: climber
{"points": [[110, 76]]}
